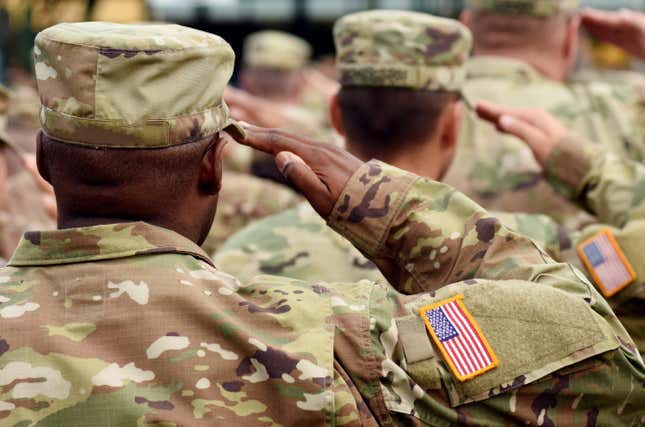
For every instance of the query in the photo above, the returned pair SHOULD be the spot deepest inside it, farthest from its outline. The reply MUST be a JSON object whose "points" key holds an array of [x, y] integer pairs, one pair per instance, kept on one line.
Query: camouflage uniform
{"points": [[290, 244], [498, 171], [130, 324], [243, 200], [613, 190], [21, 208], [280, 51], [375, 49]]}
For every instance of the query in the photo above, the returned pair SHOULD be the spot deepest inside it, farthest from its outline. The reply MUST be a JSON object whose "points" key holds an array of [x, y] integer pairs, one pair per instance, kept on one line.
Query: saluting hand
{"points": [[625, 28], [318, 170], [539, 129]]}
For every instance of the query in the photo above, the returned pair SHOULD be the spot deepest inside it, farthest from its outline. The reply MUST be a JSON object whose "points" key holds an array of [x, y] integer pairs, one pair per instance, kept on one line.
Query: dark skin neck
{"points": [[177, 190]]}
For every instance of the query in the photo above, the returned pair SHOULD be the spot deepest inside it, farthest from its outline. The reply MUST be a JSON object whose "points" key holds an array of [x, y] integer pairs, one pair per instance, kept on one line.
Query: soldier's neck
{"points": [[423, 160]]}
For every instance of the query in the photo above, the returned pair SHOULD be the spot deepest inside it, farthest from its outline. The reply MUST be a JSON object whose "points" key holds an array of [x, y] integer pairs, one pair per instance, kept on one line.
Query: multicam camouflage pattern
{"points": [[22, 210], [24, 107], [132, 86], [243, 200], [612, 189], [538, 8], [403, 49], [499, 171], [295, 243], [207, 349], [276, 49]]}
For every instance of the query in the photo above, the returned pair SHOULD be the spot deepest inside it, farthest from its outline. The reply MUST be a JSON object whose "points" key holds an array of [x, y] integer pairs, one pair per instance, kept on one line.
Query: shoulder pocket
{"points": [[533, 330]]}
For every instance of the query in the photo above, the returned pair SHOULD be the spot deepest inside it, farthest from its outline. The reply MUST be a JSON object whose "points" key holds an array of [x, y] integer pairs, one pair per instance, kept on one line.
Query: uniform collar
{"points": [[101, 242], [501, 67]]}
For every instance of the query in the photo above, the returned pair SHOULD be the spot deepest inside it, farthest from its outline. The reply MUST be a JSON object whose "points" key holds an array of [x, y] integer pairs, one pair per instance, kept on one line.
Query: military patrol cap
{"points": [[132, 86], [539, 8], [401, 49], [276, 49]]}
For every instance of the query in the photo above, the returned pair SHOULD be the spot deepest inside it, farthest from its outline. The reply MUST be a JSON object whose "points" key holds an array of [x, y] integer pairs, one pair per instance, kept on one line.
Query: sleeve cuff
{"points": [[369, 202], [567, 167]]}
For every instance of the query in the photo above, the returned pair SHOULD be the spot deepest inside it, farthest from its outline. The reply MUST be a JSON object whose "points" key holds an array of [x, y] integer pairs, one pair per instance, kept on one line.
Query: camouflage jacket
{"points": [[130, 324], [297, 243], [499, 171], [613, 190], [242, 200], [22, 210]]}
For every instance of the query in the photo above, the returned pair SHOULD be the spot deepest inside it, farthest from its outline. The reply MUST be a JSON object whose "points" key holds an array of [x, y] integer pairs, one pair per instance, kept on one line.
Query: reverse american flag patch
{"points": [[606, 262], [459, 338]]}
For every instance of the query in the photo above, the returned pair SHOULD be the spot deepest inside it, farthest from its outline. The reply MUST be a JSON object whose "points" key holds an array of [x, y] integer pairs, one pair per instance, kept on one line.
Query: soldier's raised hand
{"points": [[320, 171], [539, 129], [249, 108], [624, 28]]}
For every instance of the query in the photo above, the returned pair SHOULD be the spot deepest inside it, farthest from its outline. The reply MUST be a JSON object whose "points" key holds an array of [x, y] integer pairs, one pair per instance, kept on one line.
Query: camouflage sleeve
{"points": [[423, 234], [610, 187]]}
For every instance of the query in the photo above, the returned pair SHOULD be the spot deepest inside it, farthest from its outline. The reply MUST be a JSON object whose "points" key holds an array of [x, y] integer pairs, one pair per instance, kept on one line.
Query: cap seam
{"points": [[159, 119], [162, 50]]}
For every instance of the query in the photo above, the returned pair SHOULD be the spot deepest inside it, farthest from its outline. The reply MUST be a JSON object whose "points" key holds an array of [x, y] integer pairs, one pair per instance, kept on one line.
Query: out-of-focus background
{"points": [[312, 20]]}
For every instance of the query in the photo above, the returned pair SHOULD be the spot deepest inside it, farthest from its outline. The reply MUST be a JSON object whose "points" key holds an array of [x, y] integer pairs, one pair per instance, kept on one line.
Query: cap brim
{"points": [[234, 129]]}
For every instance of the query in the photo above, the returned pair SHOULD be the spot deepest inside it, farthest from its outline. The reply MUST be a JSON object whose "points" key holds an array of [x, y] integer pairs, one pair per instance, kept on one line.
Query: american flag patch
{"points": [[606, 262], [458, 337]]}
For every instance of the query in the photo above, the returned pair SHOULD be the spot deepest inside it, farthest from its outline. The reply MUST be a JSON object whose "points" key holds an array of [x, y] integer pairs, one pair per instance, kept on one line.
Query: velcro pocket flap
{"points": [[534, 331]]}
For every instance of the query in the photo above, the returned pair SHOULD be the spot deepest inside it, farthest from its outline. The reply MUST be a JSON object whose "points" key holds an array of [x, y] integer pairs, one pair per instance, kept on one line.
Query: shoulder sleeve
{"points": [[423, 234], [610, 187]]}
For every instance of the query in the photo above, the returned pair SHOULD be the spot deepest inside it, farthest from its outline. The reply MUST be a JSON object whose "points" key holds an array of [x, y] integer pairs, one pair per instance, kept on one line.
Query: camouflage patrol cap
{"points": [[132, 86], [401, 49], [539, 8], [276, 49]]}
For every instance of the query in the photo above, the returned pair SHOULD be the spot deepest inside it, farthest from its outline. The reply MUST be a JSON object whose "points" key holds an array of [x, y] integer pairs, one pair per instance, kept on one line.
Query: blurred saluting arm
{"points": [[610, 187]]}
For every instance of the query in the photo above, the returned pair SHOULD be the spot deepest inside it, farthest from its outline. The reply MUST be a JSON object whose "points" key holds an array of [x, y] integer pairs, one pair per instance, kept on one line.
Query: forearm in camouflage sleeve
{"points": [[423, 234], [610, 187]]}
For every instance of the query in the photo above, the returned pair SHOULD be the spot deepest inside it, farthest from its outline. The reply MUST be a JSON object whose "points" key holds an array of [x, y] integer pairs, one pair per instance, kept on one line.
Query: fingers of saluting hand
{"points": [[271, 141]]}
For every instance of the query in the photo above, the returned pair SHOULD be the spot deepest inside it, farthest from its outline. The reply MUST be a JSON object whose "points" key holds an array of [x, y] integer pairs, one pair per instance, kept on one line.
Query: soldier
{"points": [[625, 28], [24, 195], [276, 79], [612, 189], [115, 321], [273, 62], [410, 123], [524, 52]]}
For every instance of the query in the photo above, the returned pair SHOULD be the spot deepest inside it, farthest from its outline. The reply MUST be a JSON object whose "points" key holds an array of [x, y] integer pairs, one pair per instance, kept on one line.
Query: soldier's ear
{"points": [[210, 168], [335, 115], [41, 162]]}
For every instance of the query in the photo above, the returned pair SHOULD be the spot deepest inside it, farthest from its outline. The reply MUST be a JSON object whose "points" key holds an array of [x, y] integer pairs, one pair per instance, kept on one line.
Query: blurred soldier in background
{"points": [[279, 89], [524, 52], [387, 110], [611, 188], [27, 201], [273, 84], [119, 318]]}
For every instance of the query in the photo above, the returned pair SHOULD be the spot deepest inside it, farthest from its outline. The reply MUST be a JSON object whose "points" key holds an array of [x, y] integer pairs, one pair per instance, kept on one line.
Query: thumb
{"points": [[298, 173]]}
